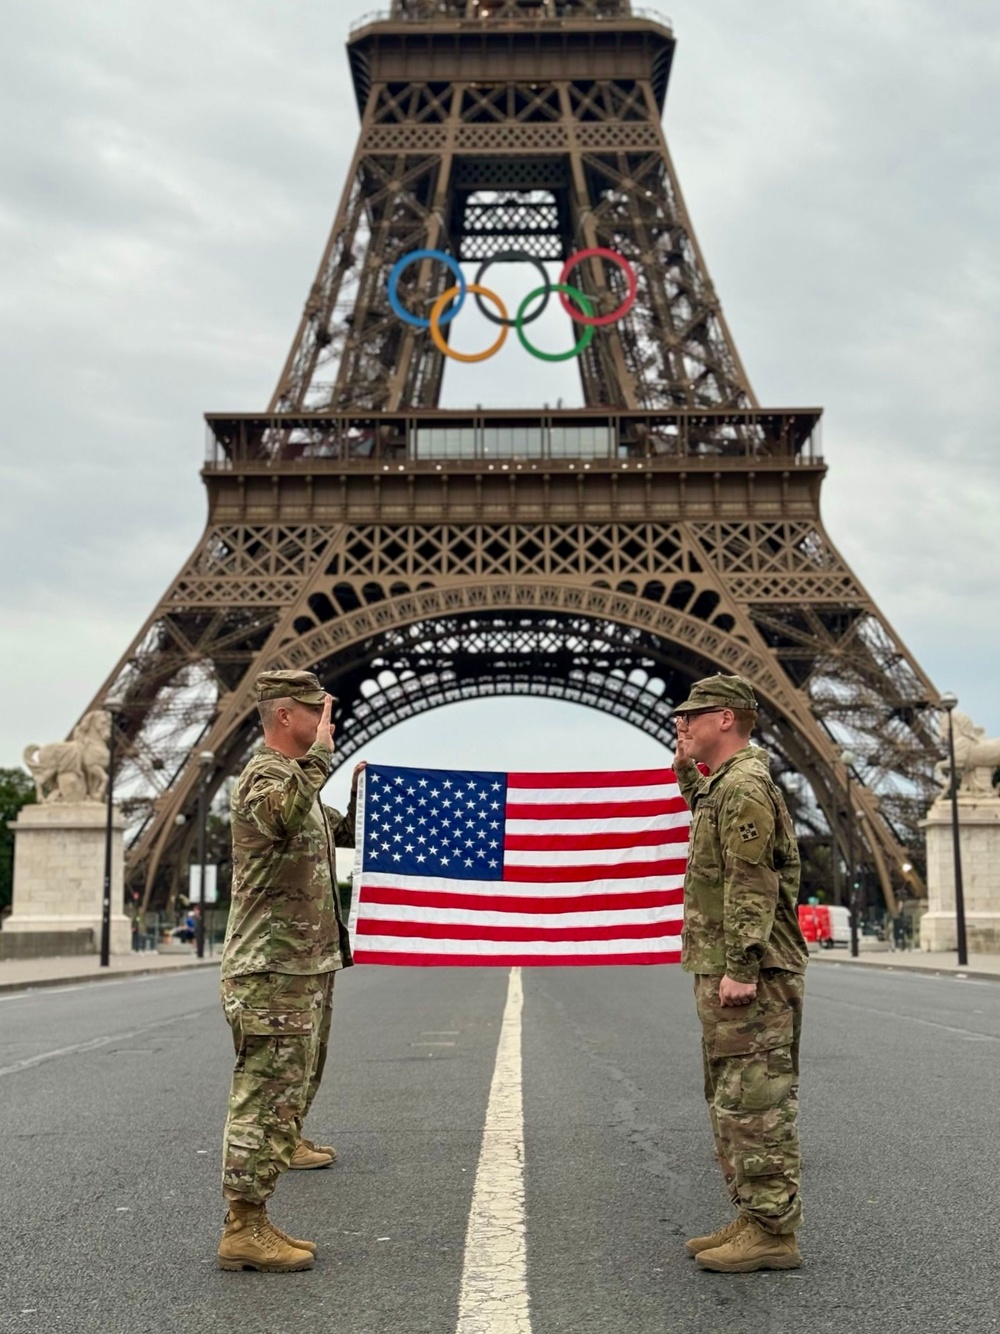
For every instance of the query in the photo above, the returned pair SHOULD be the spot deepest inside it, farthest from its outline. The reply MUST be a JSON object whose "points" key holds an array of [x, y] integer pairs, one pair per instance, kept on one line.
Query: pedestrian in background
{"points": [[285, 941], [743, 943]]}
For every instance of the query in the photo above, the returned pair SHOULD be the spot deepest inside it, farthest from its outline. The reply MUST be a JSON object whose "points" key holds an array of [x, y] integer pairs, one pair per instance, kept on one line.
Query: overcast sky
{"points": [[170, 172]]}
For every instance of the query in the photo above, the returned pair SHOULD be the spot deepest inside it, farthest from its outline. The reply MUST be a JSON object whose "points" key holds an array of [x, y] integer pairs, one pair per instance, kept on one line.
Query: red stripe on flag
{"points": [[422, 898], [474, 931], [595, 810], [411, 960], [614, 838], [564, 874], [615, 778]]}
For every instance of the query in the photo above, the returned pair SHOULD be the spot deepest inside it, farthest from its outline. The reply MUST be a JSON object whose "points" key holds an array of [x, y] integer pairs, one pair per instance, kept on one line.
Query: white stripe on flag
{"points": [[404, 912], [597, 856], [582, 796], [435, 945], [568, 889], [620, 824]]}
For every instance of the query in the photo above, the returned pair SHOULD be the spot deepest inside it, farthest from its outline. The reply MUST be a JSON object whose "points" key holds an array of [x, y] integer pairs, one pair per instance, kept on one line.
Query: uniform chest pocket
{"points": [[703, 854]]}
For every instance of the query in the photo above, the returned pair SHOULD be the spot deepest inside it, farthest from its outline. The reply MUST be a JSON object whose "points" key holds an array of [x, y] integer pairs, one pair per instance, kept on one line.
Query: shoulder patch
{"points": [[748, 831]]}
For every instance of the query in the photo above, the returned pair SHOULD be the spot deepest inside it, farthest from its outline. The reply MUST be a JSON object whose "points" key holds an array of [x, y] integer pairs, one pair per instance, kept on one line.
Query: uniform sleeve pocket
{"points": [[750, 1034]]}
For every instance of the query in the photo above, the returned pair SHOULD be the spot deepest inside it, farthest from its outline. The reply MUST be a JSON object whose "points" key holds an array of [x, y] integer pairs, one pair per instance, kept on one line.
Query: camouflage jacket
{"points": [[285, 915], [742, 880]]}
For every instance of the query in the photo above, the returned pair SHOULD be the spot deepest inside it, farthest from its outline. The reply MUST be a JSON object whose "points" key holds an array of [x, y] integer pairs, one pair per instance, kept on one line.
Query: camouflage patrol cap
{"points": [[301, 686], [719, 692]]}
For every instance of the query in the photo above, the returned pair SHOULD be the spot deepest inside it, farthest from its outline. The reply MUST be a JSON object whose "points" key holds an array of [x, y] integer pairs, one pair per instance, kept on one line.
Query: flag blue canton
{"points": [[434, 822]]}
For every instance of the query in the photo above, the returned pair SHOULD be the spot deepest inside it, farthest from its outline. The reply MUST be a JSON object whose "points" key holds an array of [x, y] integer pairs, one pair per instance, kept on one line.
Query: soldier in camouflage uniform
{"points": [[743, 943], [285, 941]]}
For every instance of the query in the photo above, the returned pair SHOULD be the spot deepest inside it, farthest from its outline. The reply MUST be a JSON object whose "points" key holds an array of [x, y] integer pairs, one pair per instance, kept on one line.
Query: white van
{"points": [[840, 926]]}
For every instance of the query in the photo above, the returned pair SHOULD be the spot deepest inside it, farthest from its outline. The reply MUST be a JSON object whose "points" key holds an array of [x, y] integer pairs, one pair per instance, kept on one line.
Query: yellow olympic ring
{"points": [[438, 311]]}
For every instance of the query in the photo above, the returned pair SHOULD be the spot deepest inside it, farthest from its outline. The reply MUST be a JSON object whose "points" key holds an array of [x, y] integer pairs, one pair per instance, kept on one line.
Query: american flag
{"points": [[468, 868]]}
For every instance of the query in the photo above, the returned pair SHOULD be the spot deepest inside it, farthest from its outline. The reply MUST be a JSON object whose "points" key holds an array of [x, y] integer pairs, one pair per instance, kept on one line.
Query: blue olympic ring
{"points": [[394, 277]]}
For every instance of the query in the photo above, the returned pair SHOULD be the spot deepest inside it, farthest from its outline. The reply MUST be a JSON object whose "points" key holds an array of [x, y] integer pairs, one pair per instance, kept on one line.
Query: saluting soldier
{"points": [[743, 943], [286, 939]]}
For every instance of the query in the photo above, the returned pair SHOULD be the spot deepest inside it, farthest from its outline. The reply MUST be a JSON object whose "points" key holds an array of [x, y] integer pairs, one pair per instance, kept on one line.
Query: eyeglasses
{"points": [[698, 713]]}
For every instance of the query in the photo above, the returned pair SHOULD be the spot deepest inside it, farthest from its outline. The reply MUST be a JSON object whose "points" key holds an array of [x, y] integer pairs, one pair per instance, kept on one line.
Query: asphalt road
{"points": [[112, 1100]]}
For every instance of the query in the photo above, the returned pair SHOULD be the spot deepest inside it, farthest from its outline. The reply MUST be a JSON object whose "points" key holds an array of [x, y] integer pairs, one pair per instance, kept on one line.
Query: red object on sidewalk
{"points": [[814, 919]]}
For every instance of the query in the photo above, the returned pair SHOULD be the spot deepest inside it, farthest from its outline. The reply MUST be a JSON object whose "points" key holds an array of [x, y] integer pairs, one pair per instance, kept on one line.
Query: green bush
{"points": [[16, 790]]}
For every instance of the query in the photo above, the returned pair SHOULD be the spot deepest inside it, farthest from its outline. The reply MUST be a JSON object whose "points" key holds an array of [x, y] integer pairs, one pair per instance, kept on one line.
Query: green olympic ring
{"points": [[586, 338]]}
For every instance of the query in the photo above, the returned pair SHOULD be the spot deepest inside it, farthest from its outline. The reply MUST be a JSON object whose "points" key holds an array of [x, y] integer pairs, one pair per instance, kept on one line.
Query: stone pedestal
{"points": [[59, 872], [979, 841]]}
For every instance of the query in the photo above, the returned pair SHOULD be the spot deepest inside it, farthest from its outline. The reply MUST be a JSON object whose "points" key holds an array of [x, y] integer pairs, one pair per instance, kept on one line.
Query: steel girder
{"points": [[685, 598]]}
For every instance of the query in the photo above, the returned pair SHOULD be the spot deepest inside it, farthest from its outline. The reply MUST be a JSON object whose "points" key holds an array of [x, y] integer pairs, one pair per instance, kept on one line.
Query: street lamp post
{"points": [[206, 759], [847, 759], [112, 707], [948, 702]]}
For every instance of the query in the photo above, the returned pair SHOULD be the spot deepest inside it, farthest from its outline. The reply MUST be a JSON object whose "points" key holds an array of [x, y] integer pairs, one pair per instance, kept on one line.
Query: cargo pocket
{"points": [[761, 1048], [751, 1166], [753, 1033], [275, 1055], [276, 1023]]}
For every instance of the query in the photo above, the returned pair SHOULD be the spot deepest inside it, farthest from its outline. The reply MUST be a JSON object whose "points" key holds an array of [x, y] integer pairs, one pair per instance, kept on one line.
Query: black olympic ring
{"points": [[512, 256]]}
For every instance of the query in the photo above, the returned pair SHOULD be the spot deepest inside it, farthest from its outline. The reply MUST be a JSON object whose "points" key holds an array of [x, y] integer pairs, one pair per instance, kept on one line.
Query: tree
{"points": [[16, 790]]}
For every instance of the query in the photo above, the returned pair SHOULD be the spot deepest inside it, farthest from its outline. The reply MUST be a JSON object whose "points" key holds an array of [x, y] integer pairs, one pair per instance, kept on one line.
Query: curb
{"points": [[38, 984], [922, 970]]}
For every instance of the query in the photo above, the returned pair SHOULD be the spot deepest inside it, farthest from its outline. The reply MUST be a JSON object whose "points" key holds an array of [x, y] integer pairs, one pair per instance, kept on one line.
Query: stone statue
{"points": [[74, 770], [976, 758]]}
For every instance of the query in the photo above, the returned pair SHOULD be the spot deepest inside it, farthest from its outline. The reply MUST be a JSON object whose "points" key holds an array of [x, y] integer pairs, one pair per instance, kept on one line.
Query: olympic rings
{"points": [[582, 312], [633, 286], [510, 256], [394, 277], [436, 322], [588, 333]]}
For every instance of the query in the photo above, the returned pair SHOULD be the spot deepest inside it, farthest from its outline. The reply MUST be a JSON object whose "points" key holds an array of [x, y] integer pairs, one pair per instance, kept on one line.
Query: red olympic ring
{"points": [[600, 252]]}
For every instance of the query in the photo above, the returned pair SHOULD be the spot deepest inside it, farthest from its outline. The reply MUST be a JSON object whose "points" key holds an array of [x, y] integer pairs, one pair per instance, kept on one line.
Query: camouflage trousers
{"points": [[751, 1060], [322, 1045], [277, 1021]]}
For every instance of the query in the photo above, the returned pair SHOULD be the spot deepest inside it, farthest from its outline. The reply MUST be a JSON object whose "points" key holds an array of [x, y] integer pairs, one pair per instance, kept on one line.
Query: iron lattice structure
{"points": [[607, 555]]}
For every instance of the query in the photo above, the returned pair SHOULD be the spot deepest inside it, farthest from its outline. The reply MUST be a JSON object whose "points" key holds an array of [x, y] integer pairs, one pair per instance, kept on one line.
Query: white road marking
{"points": [[969, 1034], [94, 1043], [494, 1296]]}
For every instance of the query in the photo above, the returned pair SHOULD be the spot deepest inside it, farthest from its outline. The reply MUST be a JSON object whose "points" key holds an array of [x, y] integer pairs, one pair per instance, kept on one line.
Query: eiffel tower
{"points": [[606, 555]]}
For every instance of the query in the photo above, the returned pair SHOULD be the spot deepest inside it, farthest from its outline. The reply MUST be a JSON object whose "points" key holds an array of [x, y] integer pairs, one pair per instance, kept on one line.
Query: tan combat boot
{"points": [[306, 1157], [251, 1242], [320, 1148], [752, 1248], [717, 1238], [297, 1242]]}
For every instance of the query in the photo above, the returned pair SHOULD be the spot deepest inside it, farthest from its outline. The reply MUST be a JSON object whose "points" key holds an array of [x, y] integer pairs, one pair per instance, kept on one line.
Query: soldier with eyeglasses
{"points": [[743, 944]]}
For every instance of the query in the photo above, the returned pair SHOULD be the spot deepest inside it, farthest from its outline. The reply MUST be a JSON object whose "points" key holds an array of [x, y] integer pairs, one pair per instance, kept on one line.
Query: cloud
{"points": [[168, 176]]}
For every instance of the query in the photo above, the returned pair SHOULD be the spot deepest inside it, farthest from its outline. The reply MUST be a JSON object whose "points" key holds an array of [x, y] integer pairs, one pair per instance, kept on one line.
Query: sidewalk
{"points": [[23, 974], [984, 967]]}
